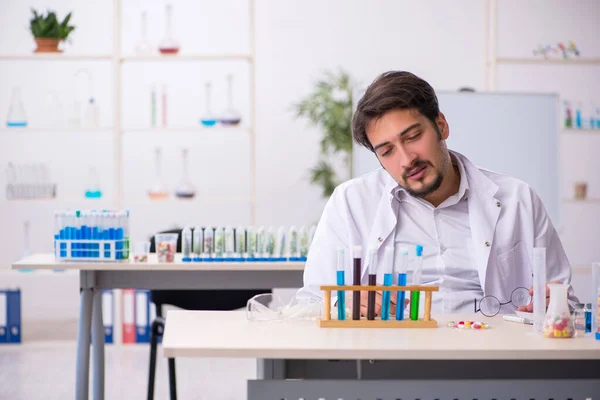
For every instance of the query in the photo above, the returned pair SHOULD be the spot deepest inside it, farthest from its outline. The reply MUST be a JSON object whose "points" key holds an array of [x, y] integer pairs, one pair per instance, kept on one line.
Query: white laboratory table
{"points": [[301, 360], [96, 276]]}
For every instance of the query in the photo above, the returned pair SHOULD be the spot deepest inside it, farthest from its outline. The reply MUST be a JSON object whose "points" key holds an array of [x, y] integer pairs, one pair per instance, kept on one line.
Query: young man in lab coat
{"points": [[478, 227]]}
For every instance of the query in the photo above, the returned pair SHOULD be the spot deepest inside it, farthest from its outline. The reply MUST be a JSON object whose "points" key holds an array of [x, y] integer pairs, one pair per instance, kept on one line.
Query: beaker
{"points": [[143, 46], [93, 191], [16, 112], [230, 115], [168, 45], [158, 190], [208, 119], [185, 189]]}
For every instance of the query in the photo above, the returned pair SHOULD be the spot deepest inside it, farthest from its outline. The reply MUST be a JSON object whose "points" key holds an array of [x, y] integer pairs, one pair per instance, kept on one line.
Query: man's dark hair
{"points": [[393, 90]]}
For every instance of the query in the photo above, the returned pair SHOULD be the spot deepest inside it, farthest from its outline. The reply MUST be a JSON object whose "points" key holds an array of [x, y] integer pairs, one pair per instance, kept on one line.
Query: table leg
{"points": [[98, 346], [83, 345]]}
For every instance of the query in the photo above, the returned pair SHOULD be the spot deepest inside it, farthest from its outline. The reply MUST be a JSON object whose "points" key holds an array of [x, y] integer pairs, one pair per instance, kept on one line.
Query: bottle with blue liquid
{"points": [[402, 269], [208, 119], [16, 112]]}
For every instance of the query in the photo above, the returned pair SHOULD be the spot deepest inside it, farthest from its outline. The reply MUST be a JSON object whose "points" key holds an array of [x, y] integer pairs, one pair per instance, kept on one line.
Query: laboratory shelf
{"points": [[550, 61], [189, 57], [198, 201], [56, 57], [66, 130], [570, 131], [189, 129]]}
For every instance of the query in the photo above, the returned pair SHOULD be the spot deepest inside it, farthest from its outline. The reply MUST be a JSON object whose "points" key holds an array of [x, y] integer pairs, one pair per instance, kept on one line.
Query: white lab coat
{"points": [[507, 221]]}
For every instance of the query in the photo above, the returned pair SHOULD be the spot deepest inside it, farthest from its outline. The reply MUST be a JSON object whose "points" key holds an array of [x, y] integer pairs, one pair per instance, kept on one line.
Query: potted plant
{"points": [[48, 32], [329, 107]]}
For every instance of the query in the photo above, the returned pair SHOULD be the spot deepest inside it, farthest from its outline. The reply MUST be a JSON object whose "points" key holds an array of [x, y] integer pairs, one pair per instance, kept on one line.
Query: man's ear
{"points": [[442, 125]]}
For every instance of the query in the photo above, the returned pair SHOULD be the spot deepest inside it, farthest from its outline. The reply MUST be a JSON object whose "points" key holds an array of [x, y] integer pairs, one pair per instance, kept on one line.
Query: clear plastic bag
{"points": [[270, 307]]}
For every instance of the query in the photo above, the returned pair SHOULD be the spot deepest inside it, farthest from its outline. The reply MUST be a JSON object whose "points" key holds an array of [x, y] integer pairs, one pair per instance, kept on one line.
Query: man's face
{"points": [[410, 149]]}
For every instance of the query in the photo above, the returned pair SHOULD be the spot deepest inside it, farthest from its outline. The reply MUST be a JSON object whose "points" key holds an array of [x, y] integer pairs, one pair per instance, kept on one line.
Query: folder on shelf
{"points": [[108, 309], [142, 311], [128, 316], [3, 317], [13, 315]]}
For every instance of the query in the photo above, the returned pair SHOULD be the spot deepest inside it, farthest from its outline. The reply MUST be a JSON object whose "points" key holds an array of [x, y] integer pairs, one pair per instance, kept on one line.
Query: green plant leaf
{"points": [[49, 27]]}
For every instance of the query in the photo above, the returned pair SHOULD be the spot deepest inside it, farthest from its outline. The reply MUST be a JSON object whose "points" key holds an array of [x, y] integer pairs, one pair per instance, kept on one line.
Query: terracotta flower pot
{"points": [[47, 45]]}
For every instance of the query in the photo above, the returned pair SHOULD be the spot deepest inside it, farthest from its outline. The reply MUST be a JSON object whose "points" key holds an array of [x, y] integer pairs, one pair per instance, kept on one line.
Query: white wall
{"points": [[444, 42]]}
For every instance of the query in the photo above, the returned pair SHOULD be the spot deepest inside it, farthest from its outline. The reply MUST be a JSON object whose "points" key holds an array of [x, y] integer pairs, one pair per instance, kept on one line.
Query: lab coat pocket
{"points": [[511, 262]]}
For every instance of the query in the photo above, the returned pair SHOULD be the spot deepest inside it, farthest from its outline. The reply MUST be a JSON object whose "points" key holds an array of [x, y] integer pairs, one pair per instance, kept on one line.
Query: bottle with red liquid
{"points": [[168, 45]]}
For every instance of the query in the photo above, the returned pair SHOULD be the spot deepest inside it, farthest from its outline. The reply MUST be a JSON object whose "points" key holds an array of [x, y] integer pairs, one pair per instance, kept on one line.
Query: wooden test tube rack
{"points": [[426, 322]]}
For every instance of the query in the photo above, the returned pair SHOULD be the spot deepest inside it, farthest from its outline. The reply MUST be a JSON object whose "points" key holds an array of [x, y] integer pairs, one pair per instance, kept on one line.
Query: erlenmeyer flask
{"points": [[158, 190], [143, 46], [168, 45], [16, 112], [185, 189], [208, 119], [230, 115], [93, 191]]}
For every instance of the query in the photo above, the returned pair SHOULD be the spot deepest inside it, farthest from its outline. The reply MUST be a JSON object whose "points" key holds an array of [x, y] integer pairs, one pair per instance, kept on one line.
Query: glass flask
{"points": [[230, 116], [185, 189], [558, 322], [158, 190], [53, 112], [168, 45], [143, 46], [16, 112], [93, 191], [208, 119]]}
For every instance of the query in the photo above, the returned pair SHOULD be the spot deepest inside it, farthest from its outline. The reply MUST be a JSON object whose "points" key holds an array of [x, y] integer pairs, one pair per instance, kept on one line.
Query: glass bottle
{"points": [[230, 116], [558, 322], [208, 119], [158, 190], [143, 46], [168, 45], [16, 112], [185, 189]]}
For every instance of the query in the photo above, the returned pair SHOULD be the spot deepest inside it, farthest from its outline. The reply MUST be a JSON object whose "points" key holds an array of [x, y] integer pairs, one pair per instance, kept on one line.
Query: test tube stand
{"points": [[426, 322]]}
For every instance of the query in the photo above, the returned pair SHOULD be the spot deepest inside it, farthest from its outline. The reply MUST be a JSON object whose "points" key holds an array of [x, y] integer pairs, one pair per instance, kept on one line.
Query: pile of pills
{"points": [[559, 326], [166, 251], [468, 325]]}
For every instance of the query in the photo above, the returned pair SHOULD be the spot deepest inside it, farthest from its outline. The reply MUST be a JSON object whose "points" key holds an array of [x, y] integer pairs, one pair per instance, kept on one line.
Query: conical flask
{"points": [[158, 191], [185, 189], [230, 116], [168, 45], [16, 112], [208, 119]]}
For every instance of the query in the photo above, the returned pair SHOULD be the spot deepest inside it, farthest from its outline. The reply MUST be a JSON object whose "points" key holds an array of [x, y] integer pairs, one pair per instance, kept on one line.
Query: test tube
{"points": [[240, 242], [303, 248], [126, 236], [209, 241], [539, 288], [596, 300], [197, 241], [271, 241], [414, 295], [219, 244], [293, 252], [388, 277], [186, 244], [120, 235], [372, 282], [250, 244], [402, 269], [341, 281], [280, 246], [229, 241], [356, 252], [261, 244]]}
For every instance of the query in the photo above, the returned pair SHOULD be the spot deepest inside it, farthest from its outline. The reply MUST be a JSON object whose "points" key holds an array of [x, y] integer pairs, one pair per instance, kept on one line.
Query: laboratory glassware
{"points": [[93, 191], [168, 45], [230, 115], [158, 191], [16, 112], [143, 46], [208, 119], [185, 189]]}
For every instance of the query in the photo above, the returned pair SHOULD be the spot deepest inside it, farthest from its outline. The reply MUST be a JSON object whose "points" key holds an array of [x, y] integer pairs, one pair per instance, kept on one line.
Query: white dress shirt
{"points": [[445, 234]]}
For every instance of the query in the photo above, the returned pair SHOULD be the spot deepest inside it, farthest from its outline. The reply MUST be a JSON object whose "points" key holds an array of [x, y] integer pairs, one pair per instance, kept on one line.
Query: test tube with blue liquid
{"points": [[414, 296], [341, 281], [388, 277], [402, 269]]}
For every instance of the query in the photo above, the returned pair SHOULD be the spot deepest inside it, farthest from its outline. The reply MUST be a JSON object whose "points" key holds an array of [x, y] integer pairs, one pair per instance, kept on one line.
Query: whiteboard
{"points": [[514, 134]]}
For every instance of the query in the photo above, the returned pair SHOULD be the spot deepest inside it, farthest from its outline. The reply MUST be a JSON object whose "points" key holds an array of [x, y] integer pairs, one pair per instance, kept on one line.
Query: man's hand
{"points": [[529, 307]]}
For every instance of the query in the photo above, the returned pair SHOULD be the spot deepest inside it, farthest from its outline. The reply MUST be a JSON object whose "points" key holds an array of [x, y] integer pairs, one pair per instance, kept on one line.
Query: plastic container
{"points": [[166, 246], [558, 322], [141, 251]]}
